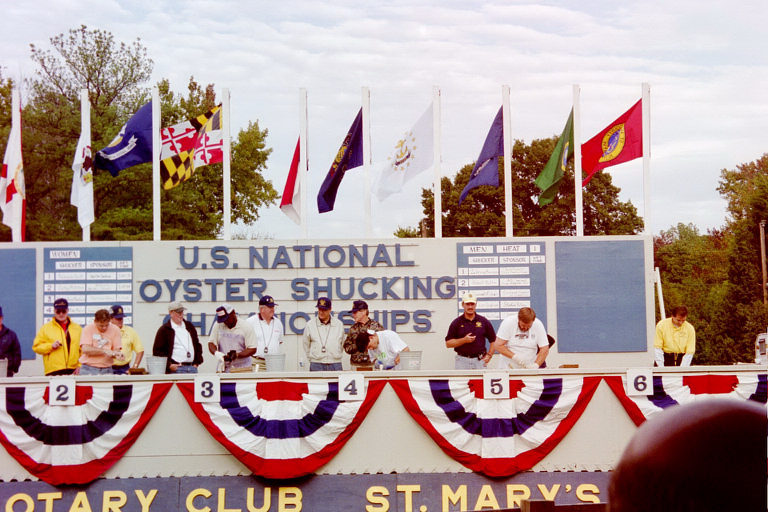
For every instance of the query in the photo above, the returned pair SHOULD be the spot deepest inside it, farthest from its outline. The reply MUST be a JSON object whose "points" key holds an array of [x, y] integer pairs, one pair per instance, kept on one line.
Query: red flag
{"points": [[13, 201], [290, 204], [620, 142]]}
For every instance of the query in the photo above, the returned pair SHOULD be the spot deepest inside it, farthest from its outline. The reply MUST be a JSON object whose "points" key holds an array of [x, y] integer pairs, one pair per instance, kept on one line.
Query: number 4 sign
{"points": [[351, 386], [639, 381]]}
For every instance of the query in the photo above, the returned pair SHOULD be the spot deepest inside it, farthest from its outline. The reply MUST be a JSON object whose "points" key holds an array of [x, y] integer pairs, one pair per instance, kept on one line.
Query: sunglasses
{"points": [[60, 310]]}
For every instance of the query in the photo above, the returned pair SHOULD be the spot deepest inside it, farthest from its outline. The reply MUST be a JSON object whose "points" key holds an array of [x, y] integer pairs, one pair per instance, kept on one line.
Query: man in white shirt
{"points": [[521, 340], [177, 340], [268, 329], [232, 340], [384, 347]]}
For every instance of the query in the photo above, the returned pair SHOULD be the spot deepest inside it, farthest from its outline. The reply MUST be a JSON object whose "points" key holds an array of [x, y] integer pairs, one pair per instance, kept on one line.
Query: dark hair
{"points": [[101, 315], [362, 341], [679, 310]]}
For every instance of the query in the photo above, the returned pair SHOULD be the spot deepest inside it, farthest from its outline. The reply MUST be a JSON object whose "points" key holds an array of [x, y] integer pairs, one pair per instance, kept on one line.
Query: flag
{"points": [[190, 144], [131, 146], [486, 170], [350, 155], [620, 142], [82, 181], [412, 154], [290, 204], [12, 189], [549, 178]]}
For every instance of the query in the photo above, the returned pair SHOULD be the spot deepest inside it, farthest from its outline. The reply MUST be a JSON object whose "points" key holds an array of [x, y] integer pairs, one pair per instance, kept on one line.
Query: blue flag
{"points": [[486, 171], [132, 146], [350, 155]]}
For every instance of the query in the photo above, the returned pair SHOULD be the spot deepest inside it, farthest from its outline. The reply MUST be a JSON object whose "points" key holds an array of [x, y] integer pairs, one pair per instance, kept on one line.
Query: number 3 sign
{"points": [[207, 388]]}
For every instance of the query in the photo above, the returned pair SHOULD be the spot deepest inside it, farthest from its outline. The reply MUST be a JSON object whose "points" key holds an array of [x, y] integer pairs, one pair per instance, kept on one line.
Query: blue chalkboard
{"points": [[600, 296], [17, 266]]}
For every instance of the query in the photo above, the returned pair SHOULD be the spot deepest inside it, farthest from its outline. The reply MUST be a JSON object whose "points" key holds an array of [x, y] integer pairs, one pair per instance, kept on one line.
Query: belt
{"points": [[478, 356], [259, 358], [187, 364]]}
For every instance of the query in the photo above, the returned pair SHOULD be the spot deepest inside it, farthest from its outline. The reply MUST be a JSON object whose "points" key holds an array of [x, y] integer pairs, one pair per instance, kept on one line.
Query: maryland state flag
{"points": [[190, 144], [620, 142]]}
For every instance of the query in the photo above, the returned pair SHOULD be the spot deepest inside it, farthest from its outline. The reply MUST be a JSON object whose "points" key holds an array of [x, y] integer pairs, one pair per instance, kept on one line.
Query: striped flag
{"points": [[12, 188], [190, 144], [290, 204]]}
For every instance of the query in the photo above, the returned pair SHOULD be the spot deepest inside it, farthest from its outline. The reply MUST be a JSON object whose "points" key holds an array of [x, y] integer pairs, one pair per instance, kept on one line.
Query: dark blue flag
{"points": [[132, 146], [486, 171], [350, 155]]}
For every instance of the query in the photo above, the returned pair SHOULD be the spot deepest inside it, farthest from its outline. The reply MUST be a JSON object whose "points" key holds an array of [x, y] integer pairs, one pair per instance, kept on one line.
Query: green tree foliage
{"points": [[116, 75], [482, 212]]}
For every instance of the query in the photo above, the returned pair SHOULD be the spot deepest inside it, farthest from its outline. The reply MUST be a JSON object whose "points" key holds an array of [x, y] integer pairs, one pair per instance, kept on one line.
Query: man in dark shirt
{"points": [[468, 335], [363, 323], [10, 349]]}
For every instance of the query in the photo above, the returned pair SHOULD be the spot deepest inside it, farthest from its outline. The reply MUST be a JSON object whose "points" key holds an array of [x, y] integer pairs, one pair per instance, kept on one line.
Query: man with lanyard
{"points": [[268, 329], [130, 341], [468, 334], [231, 340], [323, 339], [177, 340], [58, 341], [357, 358]]}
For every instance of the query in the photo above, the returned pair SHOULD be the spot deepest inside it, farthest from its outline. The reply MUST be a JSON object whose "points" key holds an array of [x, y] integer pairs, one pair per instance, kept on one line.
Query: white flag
{"points": [[413, 154], [291, 201], [82, 181], [12, 188]]}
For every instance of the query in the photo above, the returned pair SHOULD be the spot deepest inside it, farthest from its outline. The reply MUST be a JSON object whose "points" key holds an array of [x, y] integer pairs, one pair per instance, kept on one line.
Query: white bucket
{"points": [[275, 362], [156, 365], [410, 360], [3, 368]]}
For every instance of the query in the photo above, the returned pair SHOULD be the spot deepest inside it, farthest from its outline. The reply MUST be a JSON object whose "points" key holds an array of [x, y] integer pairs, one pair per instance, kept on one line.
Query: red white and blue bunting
{"points": [[672, 390], [498, 437], [75, 444], [282, 429]]}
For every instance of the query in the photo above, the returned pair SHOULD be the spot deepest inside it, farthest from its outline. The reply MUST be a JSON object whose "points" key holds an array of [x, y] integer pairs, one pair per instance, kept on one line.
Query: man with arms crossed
{"points": [[520, 337]]}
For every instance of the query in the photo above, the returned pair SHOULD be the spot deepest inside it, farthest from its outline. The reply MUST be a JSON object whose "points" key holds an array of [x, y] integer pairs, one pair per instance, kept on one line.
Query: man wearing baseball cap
{"points": [[58, 341], [268, 329], [357, 358], [177, 340], [232, 340], [323, 339], [468, 335], [130, 341]]}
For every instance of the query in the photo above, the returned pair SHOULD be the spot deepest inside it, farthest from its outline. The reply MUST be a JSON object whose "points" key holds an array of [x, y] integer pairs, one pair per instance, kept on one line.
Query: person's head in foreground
{"points": [[698, 457]]}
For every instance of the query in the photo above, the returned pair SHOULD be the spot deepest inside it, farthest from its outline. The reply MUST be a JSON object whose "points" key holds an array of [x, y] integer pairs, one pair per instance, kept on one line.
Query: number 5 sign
{"points": [[495, 385], [639, 381]]}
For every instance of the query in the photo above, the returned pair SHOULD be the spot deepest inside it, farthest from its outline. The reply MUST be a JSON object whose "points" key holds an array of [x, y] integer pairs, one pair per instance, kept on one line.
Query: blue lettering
{"points": [[361, 288], [421, 320], [254, 257], [300, 287], [144, 292], [213, 283], [182, 259], [322, 291], [381, 256], [172, 287], [296, 316], [399, 262], [445, 287], [282, 258], [399, 317], [255, 289], [386, 288], [350, 289], [419, 286], [192, 290], [355, 254], [233, 290], [218, 257], [329, 251], [302, 250]]}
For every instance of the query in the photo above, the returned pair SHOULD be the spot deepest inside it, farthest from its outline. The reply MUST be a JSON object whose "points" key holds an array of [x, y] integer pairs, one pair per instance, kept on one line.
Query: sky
{"points": [[705, 62]]}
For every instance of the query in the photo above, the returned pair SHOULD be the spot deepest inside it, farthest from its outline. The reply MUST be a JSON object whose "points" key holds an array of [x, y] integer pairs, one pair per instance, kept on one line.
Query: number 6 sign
{"points": [[639, 381]]}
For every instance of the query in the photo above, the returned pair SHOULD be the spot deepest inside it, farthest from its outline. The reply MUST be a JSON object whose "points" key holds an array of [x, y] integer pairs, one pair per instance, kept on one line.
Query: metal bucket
{"points": [[410, 360], [156, 365], [3, 367], [275, 362]]}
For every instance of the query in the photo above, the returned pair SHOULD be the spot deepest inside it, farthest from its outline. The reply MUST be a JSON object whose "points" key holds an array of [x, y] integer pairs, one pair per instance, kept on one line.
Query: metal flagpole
{"points": [[85, 127], [437, 160], [507, 132], [367, 158], [156, 233], [577, 160], [646, 97], [226, 175], [302, 177]]}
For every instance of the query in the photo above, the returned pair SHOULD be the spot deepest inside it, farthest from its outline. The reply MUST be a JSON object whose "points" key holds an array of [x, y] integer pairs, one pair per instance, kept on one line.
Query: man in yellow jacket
{"points": [[58, 341]]}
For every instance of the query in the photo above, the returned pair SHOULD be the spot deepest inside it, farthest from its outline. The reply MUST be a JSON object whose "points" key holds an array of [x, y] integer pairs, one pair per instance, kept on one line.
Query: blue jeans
{"points": [[186, 369], [93, 370], [468, 363], [120, 370], [324, 367]]}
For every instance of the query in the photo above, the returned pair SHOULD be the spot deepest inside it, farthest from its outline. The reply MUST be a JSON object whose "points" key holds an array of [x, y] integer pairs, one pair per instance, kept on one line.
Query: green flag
{"points": [[549, 178]]}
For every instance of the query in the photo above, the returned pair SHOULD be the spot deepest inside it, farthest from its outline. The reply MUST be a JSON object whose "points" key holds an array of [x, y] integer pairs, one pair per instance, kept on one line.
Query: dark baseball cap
{"points": [[61, 304], [267, 300], [359, 305], [116, 311], [223, 312], [323, 303]]}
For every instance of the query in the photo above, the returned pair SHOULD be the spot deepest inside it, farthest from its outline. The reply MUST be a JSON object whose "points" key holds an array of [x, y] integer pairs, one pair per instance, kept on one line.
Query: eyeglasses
{"points": [[60, 310]]}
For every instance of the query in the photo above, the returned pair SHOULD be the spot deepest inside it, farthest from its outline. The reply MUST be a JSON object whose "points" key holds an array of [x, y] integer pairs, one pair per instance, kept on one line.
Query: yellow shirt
{"points": [[675, 340], [131, 343]]}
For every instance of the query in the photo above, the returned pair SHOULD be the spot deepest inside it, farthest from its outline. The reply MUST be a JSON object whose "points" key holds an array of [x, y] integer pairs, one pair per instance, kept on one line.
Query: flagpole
{"points": [[646, 97], [226, 175], [85, 127], [507, 133], [366, 93], [302, 177], [156, 143], [437, 159], [578, 189]]}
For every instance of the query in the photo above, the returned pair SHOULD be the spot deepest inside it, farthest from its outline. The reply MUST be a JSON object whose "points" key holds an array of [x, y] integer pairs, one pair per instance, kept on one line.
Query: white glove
{"points": [[687, 358], [531, 366], [658, 356], [220, 364], [517, 362]]}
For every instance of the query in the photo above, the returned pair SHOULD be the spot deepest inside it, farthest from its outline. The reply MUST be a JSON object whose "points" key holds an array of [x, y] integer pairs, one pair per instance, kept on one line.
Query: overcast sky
{"points": [[704, 60]]}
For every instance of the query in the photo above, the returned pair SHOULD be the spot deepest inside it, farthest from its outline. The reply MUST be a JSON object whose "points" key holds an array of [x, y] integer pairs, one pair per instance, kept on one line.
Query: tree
{"points": [[482, 212], [115, 75]]}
